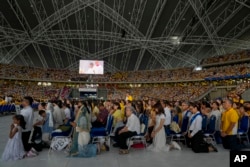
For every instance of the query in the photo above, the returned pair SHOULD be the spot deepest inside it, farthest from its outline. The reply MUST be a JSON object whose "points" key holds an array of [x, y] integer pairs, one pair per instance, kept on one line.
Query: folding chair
{"points": [[141, 137], [209, 133], [101, 135], [181, 136], [1, 109], [204, 123], [59, 143], [243, 128]]}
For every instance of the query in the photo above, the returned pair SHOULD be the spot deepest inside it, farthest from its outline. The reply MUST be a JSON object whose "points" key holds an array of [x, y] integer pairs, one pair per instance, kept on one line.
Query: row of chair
{"points": [[12, 108], [35, 106], [101, 135], [209, 129], [8, 108]]}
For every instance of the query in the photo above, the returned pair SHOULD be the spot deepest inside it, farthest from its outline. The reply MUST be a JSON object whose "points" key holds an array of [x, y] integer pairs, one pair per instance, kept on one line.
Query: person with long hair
{"points": [[14, 149], [81, 137], [159, 135]]}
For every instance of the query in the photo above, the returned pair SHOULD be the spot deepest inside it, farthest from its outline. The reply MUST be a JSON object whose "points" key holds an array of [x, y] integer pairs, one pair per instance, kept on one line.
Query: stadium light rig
{"points": [[198, 68]]}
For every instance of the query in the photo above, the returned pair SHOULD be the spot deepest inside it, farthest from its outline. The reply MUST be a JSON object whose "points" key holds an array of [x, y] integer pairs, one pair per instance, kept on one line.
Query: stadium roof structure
{"points": [[126, 34]]}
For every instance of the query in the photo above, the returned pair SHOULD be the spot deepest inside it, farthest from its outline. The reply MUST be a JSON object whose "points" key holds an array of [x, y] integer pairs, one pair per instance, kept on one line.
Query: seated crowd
{"points": [[159, 122], [40, 93], [175, 93], [227, 58], [152, 76]]}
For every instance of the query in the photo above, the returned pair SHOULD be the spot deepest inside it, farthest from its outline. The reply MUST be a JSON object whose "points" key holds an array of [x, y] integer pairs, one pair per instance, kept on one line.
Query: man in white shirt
{"points": [[28, 115], [132, 128], [167, 111], [58, 114], [67, 111], [91, 69], [98, 68]]}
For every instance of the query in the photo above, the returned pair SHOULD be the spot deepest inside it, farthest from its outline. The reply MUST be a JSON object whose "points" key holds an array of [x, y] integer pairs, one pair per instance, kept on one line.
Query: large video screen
{"points": [[91, 67]]}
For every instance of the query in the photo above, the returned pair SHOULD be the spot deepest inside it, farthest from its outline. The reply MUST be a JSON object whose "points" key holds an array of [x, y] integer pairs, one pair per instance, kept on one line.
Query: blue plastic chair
{"points": [[12, 109], [1, 109], [181, 136], [100, 135], [5, 108], [209, 133], [176, 119], [243, 128], [204, 123]]}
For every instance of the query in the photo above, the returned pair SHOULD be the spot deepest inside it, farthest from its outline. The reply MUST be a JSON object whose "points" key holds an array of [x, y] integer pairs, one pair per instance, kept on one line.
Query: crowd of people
{"points": [[153, 76], [19, 89], [238, 56], [133, 97], [164, 119], [174, 92]]}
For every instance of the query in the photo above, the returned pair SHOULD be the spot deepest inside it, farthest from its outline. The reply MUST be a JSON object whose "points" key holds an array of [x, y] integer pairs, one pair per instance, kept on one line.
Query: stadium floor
{"points": [[136, 158]]}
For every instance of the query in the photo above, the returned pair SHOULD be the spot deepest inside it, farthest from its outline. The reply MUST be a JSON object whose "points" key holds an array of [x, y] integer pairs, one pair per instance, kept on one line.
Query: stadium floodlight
{"points": [[198, 68]]}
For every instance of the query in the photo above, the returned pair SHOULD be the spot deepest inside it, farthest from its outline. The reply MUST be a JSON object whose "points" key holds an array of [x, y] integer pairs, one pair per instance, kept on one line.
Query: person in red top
{"points": [[102, 116]]}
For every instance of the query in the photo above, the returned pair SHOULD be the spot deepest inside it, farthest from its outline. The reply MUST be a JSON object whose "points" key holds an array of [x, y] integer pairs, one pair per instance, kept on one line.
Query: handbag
{"points": [[175, 127]]}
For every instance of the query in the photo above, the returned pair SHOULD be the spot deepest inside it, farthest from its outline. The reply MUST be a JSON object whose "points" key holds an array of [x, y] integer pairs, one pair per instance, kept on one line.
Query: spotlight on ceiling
{"points": [[175, 40], [198, 68]]}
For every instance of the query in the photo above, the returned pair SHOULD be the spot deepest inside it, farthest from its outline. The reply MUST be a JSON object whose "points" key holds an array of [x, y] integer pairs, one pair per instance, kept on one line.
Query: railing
{"points": [[210, 90]]}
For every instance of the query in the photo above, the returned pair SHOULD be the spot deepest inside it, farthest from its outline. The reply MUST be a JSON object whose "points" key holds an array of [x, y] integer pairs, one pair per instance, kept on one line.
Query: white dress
{"points": [[159, 141], [14, 149]]}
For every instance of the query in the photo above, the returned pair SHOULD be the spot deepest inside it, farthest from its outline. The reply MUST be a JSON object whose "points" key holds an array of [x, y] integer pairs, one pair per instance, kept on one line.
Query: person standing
{"points": [[229, 127], [58, 114], [28, 114], [128, 97], [167, 112], [185, 111], [14, 148]]}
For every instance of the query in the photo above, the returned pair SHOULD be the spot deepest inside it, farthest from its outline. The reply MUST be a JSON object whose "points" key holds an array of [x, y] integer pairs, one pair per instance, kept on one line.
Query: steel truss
{"points": [[221, 20], [49, 22], [159, 48]]}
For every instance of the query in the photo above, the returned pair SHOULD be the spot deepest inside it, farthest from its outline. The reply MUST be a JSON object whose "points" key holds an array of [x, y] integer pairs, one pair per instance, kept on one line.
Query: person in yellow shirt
{"points": [[129, 97], [122, 104], [229, 127], [117, 115], [2, 101]]}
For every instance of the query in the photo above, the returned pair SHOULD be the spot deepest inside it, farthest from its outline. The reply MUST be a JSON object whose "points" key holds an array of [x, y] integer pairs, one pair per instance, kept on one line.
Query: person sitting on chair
{"points": [[132, 128]]}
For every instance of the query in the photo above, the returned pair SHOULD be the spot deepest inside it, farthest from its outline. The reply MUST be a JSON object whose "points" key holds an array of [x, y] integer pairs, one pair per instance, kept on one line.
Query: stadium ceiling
{"points": [[126, 34]]}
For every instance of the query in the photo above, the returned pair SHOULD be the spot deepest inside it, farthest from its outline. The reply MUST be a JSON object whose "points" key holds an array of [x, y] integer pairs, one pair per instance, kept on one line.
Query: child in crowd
{"points": [[14, 149], [37, 127]]}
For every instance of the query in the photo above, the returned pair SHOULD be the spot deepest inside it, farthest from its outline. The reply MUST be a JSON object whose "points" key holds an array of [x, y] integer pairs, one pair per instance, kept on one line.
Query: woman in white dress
{"points": [[14, 149], [158, 134]]}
